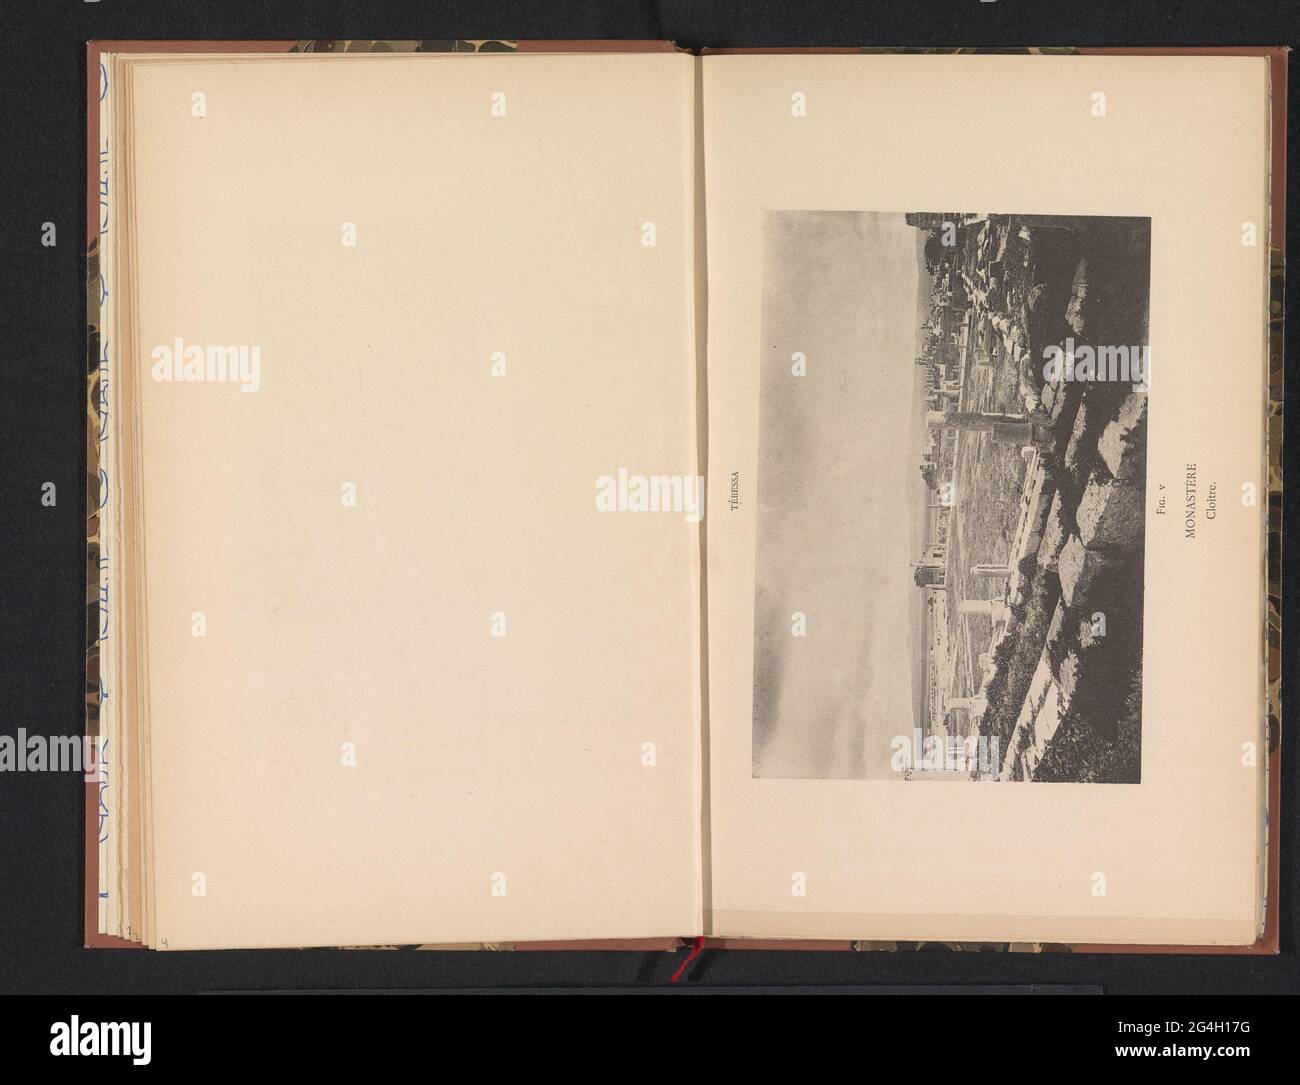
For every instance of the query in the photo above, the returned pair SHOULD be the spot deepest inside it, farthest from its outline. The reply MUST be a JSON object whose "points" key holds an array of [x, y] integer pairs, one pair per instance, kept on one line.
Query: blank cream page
{"points": [[825, 175], [422, 667]]}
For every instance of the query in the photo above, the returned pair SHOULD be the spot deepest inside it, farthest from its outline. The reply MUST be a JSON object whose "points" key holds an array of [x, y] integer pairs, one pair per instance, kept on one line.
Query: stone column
{"points": [[993, 609]]}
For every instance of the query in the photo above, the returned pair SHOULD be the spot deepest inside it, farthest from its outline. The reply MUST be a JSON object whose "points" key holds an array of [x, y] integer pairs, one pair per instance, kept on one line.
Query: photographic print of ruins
{"points": [[951, 497]]}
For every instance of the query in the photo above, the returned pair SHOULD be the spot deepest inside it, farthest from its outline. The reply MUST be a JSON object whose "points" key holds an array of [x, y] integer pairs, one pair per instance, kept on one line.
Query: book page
{"points": [[415, 362], [986, 386]]}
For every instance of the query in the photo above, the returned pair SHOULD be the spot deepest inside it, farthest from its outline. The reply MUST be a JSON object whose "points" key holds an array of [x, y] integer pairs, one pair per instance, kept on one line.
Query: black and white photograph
{"points": [[951, 497]]}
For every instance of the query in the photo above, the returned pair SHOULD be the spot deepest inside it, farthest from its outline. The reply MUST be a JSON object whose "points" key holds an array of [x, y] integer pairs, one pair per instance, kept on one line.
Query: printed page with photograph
{"points": [[986, 376], [409, 625]]}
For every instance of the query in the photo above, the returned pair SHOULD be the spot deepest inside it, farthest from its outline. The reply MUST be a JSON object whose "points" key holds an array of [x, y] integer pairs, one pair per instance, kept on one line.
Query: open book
{"points": [[414, 619]]}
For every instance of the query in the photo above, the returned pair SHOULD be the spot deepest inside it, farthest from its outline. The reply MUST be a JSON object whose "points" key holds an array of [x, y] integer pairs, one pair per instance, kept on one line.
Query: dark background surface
{"points": [[42, 423]]}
